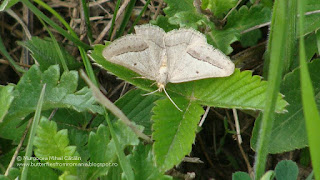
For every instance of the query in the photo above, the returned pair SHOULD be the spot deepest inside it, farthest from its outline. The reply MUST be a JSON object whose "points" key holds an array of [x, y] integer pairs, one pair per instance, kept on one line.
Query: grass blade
{"points": [[310, 111], [277, 34], [33, 133], [37, 12]]}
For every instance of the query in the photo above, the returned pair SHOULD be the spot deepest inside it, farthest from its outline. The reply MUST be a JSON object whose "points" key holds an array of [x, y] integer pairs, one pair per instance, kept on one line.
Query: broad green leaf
{"points": [[174, 6], [6, 4], [137, 108], [174, 131], [53, 146], [289, 130], [240, 176], [286, 169], [6, 98], [240, 90], [218, 7], [143, 164], [44, 53], [60, 93]]}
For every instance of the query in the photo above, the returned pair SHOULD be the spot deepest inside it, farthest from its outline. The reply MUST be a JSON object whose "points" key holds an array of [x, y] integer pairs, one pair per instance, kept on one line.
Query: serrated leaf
{"points": [[137, 108], [143, 165], [6, 98], [46, 56], [174, 131], [240, 90], [60, 93], [218, 7], [286, 169], [53, 146], [174, 6], [289, 131]]}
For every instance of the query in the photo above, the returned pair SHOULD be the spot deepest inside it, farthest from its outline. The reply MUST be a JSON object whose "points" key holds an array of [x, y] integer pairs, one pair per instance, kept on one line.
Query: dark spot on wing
{"points": [[134, 64], [197, 72]]}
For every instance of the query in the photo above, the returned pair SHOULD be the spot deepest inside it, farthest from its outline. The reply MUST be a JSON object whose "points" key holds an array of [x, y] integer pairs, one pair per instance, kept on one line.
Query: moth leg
{"points": [[158, 90]]}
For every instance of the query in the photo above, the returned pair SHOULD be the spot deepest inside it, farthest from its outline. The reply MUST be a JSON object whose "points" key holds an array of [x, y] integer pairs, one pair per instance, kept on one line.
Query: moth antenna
{"points": [[171, 99]]}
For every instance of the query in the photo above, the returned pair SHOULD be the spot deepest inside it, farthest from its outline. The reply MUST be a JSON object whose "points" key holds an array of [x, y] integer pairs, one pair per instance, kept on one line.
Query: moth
{"points": [[177, 56]]}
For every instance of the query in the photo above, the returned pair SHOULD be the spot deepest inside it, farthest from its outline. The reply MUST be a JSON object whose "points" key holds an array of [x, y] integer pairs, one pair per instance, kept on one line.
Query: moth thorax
{"points": [[163, 75]]}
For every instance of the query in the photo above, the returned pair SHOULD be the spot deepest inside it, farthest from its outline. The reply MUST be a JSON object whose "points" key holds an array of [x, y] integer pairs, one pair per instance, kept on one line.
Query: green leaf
{"points": [[240, 176], [60, 93], [289, 130], [53, 146], [218, 7], [286, 169], [44, 53], [143, 164], [174, 131], [240, 90], [6, 98], [174, 6], [137, 108]]}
